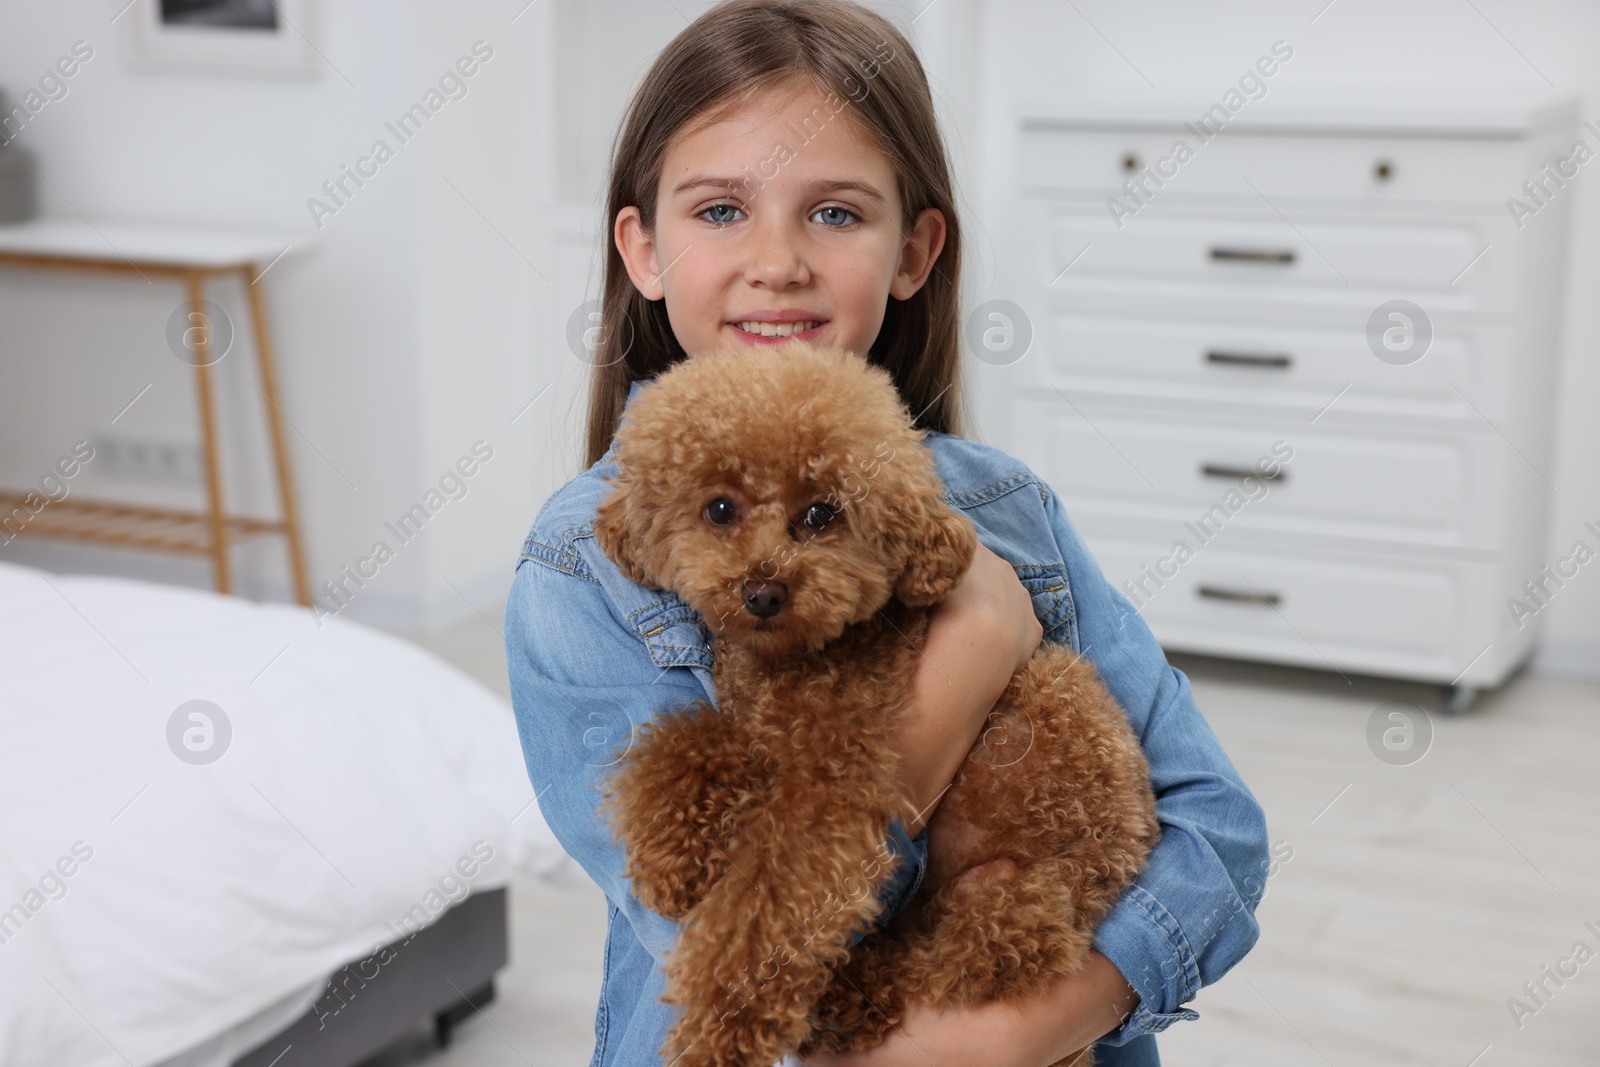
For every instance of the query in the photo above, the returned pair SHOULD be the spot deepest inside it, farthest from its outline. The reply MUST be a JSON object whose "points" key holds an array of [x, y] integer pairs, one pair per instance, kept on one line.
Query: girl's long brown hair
{"points": [[741, 47]]}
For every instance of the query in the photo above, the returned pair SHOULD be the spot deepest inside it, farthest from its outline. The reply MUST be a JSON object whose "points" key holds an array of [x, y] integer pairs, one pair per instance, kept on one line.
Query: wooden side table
{"points": [[192, 257]]}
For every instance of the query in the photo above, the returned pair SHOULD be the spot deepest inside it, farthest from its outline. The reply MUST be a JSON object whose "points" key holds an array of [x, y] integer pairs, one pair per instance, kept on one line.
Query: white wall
{"points": [[403, 326]]}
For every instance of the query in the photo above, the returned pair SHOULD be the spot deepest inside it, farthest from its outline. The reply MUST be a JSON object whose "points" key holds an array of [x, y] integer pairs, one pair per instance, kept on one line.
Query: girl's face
{"points": [[780, 220]]}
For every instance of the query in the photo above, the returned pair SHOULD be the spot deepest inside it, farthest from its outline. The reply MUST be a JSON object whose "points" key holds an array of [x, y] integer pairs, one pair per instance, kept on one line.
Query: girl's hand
{"points": [[978, 637], [991, 594], [1072, 1014]]}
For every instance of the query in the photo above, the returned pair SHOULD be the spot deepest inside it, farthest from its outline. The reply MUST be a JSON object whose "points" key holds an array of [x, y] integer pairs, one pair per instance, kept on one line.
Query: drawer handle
{"points": [[1249, 359], [1236, 474], [1284, 256], [1239, 596]]}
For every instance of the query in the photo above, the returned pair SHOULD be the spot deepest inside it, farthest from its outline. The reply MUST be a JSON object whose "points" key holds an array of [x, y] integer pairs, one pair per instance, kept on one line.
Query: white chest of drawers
{"points": [[1196, 323]]}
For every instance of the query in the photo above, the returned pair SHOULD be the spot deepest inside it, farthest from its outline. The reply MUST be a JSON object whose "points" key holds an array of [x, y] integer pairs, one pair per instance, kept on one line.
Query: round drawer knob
{"points": [[1130, 161], [1383, 170]]}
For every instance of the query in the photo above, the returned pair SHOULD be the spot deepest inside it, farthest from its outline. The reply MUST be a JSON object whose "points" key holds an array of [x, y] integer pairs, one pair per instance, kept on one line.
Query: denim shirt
{"points": [[593, 654]]}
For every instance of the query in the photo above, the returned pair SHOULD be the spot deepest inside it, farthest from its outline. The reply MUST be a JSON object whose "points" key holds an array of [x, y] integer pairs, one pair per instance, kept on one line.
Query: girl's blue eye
{"points": [[833, 215], [719, 214]]}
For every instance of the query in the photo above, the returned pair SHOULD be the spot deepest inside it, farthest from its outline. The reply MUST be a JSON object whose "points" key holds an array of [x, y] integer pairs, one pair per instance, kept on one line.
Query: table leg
{"points": [[269, 390], [201, 331]]}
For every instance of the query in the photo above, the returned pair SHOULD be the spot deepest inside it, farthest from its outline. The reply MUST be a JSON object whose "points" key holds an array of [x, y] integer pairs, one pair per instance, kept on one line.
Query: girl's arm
{"points": [[1067, 1018], [978, 637], [1187, 919], [1190, 915]]}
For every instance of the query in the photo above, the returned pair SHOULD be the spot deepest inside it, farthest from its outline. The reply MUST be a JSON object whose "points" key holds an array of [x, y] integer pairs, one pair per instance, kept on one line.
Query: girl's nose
{"points": [[776, 260]]}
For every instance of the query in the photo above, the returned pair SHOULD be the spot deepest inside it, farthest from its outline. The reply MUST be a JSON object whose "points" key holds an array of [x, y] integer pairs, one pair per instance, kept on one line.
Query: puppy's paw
{"points": [[677, 798]]}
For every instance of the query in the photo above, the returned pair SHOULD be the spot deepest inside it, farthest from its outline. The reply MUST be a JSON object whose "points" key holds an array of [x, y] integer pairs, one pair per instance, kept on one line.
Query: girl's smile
{"points": [[771, 326], [778, 220]]}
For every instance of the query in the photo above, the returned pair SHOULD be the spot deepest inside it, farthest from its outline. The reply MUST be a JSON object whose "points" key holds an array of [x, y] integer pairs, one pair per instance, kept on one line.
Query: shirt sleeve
{"points": [[907, 878], [581, 682], [1190, 915]]}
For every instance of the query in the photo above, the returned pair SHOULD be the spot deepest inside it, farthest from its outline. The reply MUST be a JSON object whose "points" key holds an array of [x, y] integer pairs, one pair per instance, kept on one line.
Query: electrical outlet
{"points": [[144, 457]]}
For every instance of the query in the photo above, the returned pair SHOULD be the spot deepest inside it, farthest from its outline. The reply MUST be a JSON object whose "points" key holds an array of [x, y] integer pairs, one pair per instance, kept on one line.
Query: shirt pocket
{"points": [[1052, 599]]}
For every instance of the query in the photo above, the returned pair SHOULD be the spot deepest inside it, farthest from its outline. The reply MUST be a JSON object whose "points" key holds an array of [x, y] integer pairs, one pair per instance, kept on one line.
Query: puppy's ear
{"points": [[938, 544], [940, 552], [622, 529]]}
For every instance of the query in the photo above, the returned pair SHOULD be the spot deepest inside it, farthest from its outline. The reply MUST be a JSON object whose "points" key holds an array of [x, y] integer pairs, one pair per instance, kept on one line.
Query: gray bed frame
{"points": [[443, 973]]}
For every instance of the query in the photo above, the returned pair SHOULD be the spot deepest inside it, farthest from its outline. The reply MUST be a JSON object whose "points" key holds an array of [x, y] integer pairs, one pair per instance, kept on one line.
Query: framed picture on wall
{"points": [[245, 37]]}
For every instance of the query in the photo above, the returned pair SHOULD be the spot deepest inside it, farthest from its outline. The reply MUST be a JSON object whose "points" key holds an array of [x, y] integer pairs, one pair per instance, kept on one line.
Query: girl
{"points": [[780, 174]]}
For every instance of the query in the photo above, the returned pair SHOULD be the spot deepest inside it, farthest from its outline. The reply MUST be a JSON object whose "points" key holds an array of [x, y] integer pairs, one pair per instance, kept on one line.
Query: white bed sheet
{"points": [[361, 774], [221, 1050]]}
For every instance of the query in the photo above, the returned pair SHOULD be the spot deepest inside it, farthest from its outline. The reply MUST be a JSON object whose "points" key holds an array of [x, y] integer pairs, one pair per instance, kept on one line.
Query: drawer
{"points": [[1250, 255], [1369, 170], [1192, 474], [1315, 610], [1239, 363]]}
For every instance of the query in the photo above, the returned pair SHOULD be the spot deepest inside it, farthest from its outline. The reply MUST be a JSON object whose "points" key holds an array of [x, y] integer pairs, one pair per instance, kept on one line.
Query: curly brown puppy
{"points": [[788, 499]]}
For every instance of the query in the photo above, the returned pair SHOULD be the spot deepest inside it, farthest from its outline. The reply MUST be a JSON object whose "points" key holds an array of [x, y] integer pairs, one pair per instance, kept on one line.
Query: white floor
{"points": [[1418, 901]]}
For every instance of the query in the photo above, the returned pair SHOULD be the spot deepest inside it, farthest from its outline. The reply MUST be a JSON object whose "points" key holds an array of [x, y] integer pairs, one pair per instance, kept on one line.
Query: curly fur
{"points": [[759, 825]]}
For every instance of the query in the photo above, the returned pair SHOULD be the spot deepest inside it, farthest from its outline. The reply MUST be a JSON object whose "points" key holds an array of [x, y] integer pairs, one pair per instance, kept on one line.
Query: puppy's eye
{"points": [[721, 511], [819, 516]]}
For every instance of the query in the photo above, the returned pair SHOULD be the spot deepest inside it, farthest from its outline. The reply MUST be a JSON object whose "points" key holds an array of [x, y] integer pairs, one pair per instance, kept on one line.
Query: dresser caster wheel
{"points": [[1457, 699]]}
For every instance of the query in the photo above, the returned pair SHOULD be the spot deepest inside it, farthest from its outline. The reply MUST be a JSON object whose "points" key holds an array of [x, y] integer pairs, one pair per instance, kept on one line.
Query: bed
{"points": [[226, 830]]}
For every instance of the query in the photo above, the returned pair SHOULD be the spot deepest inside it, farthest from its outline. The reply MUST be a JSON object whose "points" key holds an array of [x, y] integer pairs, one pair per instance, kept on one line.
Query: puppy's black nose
{"points": [[764, 599]]}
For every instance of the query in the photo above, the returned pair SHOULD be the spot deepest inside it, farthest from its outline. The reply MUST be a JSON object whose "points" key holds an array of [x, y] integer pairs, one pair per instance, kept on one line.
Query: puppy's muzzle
{"points": [[764, 599]]}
